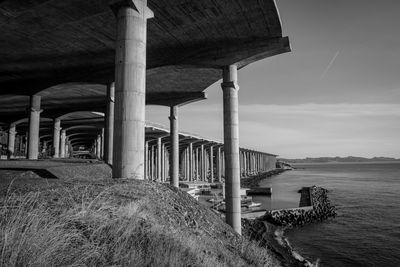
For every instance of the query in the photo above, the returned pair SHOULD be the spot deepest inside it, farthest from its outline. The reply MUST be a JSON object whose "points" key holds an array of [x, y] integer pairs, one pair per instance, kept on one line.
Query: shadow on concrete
{"points": [[43, 173]]}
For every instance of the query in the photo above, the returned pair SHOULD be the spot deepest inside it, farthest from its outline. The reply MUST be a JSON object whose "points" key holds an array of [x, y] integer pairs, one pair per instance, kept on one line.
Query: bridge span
{"points": [[62, 63]]}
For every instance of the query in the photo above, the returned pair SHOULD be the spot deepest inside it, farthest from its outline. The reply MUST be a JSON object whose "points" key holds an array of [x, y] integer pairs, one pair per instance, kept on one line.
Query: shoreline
{"points": [[272, 235]]}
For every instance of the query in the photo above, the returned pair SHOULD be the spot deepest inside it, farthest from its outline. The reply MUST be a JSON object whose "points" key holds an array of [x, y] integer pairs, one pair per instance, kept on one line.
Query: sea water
{"points": [[366, 231]]}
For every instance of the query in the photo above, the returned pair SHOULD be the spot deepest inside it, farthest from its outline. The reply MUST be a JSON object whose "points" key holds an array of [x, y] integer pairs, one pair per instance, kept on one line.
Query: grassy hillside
{"points": [[116, 223]]}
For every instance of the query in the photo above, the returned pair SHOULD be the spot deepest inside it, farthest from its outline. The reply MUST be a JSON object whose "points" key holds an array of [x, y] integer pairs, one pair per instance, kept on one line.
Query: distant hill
{"points": [[338, 159]]}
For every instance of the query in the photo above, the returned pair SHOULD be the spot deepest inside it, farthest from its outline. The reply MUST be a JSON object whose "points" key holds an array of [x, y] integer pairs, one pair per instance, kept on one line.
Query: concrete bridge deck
{"points": [[62, 59]]}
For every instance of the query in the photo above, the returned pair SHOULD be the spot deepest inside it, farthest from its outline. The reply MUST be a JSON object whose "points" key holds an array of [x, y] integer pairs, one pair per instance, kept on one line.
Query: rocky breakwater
{"points": [[268, 230], [320, 209]]}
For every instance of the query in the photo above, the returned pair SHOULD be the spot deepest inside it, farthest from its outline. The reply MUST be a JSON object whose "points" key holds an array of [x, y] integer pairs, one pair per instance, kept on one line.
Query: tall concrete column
{"points": [[62, 143], [174, 136], [196, 164], [253, 157], [109, 124], [67, 148], [159, 159], [102, 144], [245, 163], [130, 89], [56, 138], [152, 163], [98, 146], [146, 160], [187, 162], [219, 165], [191, 162], [44, 147], [211, 164], [11, 140], [230, 90], [34, 125], [202, 163], [164, 151]]}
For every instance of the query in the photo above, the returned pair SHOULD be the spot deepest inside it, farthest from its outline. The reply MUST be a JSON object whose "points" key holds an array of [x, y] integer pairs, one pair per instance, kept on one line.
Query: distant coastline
{"points": [[349, 159]]}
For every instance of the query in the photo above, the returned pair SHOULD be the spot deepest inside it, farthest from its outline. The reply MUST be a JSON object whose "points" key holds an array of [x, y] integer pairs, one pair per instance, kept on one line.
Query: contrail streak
{"points": [[329, 65]]}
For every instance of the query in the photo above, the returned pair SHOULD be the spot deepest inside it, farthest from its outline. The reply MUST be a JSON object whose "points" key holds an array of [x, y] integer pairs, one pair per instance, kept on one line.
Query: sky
{"points": [[336, 94]]}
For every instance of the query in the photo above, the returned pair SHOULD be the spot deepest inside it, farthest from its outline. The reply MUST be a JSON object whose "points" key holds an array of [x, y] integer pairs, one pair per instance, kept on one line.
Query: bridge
{"points": [[79, 73]]}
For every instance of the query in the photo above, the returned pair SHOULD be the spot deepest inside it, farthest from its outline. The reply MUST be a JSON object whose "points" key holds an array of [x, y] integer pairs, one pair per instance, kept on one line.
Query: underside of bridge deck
{"points": [[78, 74]]}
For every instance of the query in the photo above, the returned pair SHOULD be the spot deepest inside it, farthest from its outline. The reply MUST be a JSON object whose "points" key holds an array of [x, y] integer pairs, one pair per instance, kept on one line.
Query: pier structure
{"points": [[60, 60], [81, 134]]}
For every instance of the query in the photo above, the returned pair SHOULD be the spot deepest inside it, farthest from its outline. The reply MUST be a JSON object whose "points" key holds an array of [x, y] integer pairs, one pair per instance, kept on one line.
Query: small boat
{"points": [[254, 205]]}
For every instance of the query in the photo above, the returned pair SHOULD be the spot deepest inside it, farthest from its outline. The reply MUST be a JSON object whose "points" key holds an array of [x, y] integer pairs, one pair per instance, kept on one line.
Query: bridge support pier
{"points": [[191, 162], [11, 140], [219, 165], [109, 127], [62, 143], [34, 125], [174, 156], [211, 164], [159, 144], [56, 138], [130, 90], [230, 90], [98, 146]]}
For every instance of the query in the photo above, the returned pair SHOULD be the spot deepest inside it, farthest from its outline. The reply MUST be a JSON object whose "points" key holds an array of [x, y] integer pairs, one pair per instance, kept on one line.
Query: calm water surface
{"points": [[366, 231]]}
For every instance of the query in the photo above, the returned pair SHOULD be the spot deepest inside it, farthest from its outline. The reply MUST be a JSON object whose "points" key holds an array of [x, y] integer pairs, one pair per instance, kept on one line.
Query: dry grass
{"points": [[114, 225]]}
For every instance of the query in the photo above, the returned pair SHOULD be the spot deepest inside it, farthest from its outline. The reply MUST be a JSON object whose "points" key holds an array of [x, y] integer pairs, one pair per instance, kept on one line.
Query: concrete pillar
{"points": [[159, 159], [67, 148], [130, 90], [26, 144], [62, 143], [223, 163], [174, 136], [146, 161], [102, 144], [152, 173], [196, 164], [11, 140], [166, 165], [162, 163], [230, 90], [44, 147], [219, 165], [211, 164], [191, 162], [187, 164], [34, 125], [202, 163], [244, 155], [109, 124], [98, 146], [241, 162], [56, 138], [164, 153], [21, 144]]}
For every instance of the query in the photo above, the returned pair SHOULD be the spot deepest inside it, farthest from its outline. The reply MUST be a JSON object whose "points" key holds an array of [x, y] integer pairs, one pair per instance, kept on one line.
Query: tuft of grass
{"points": [[103, 225]]}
